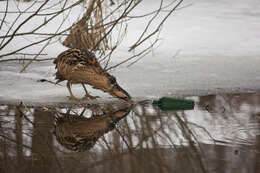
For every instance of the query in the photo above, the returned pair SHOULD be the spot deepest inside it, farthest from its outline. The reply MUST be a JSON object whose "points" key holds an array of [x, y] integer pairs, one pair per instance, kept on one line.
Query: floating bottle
{"points": [[174, 104]]}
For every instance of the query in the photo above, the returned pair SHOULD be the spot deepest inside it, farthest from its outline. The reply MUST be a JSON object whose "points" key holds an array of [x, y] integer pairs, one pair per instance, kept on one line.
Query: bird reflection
{"points": [[78, 133]]}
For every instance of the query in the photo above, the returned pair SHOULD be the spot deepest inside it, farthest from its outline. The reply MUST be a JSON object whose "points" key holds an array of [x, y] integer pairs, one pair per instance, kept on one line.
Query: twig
{"points": [[27, 59], [25, 21], [118, 42], [6, 9], [162, 10], [144, 53], [35, 43], [24, 68], [40, 26], [100, 25], [128, 59], [45, 80], [136, 44], [116, 21], [139, 58], [16, 12], [13, 23], [30, 54], [150, 22]]}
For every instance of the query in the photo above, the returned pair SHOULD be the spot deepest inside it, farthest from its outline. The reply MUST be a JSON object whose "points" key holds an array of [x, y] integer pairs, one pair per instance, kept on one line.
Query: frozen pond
{"points": [[149, 79], [209, 52]]}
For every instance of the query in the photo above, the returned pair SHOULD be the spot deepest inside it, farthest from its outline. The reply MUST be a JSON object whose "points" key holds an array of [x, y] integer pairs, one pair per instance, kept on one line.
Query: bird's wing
{"points": [[83, 57]]}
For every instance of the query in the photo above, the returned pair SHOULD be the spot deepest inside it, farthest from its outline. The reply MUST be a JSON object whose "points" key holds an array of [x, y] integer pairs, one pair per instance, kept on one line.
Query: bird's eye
{"points": [[113, 80]]}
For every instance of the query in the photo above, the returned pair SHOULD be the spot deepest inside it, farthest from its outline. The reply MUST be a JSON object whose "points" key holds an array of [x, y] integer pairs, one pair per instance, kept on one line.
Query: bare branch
{"points": [[127, 10], [157, 29], [134, 56], [13, 23], [25, 21], [150, 21], [27, 59], [43, 24], [46, 43], [5, 13], [98, 23]]}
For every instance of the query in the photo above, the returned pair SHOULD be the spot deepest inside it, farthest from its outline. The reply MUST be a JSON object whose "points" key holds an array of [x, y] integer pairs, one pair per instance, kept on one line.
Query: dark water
{"points": [[220, 135]]}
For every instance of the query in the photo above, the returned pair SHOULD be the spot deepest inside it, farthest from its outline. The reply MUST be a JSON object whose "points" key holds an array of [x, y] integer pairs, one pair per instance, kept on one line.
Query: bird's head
{"points": [[115, 90]]}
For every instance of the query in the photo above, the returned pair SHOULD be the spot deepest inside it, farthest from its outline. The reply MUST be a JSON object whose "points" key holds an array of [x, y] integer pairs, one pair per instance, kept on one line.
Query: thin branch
{"points": [[24, 68], [6, 9], [25, 21], [157, 29], [150, 21], [144, 54], [30, 33], [43, 24], [162, 10], [118, 42], [110, 25], [35, 43], [30, 12], [27, 59], [14, 22], [128, 59], [30, 54], [125, 13]]}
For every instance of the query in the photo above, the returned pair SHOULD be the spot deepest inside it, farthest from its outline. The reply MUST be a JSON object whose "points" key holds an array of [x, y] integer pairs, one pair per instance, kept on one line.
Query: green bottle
{"points": [[174, 104]]}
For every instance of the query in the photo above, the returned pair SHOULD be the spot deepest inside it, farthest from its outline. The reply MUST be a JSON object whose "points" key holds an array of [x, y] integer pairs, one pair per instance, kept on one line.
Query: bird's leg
{"points": [[71, 97], [87, 95]]}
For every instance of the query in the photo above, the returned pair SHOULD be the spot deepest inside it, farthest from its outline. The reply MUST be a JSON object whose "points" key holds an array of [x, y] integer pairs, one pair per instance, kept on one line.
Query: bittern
{"points": [[82, 67], [78, 133]]}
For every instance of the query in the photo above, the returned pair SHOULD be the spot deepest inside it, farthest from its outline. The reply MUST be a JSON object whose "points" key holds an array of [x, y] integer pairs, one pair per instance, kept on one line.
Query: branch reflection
{"points": [[133, 138]]}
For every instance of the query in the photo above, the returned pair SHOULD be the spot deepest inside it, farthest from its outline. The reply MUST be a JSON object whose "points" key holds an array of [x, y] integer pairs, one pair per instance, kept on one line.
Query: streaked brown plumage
{"points": [[78, 133], [78, 66]]}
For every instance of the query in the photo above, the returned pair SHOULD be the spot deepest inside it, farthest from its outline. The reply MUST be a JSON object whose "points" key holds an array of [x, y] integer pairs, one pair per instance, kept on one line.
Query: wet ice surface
{"points": [[150, 78], [220, 135]]}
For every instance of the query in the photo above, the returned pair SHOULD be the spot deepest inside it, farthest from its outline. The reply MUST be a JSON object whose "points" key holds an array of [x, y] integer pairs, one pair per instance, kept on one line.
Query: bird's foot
{"points": [[74, 98], [88, 96]]}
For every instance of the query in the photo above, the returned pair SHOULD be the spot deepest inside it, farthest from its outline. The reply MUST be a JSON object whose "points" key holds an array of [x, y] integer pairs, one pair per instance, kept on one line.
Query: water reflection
{"points": [[220, 135], [78, 133]]}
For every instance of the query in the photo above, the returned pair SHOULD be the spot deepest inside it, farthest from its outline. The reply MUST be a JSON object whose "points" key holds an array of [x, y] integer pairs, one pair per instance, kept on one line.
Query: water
{"points": [[221, 134]]}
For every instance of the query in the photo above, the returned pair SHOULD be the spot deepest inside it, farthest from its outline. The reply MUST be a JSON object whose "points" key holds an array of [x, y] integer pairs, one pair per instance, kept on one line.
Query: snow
{"points": [[217, 46]]}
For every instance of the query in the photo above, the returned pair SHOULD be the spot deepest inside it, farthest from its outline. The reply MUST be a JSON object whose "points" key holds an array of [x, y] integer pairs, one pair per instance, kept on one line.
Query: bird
{"points": [[78, 133], [80, 66]]}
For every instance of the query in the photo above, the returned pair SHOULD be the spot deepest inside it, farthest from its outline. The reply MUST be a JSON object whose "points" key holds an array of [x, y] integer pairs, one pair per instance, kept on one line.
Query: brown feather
{"points": [[81, 66], [77, 66]]}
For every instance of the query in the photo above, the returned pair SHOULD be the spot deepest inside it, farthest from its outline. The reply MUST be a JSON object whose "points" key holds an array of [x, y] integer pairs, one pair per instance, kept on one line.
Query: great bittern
{"points": [[81, 66], [78, 133]]}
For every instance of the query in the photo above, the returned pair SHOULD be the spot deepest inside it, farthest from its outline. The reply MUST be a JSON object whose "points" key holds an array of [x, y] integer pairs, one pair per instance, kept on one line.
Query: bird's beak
{"points": [[120, 93]]}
